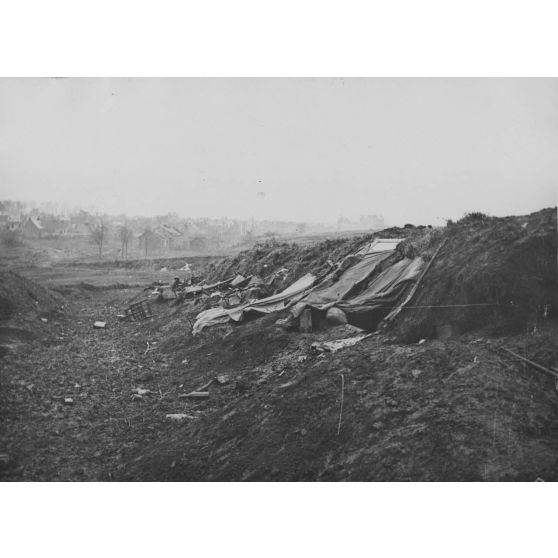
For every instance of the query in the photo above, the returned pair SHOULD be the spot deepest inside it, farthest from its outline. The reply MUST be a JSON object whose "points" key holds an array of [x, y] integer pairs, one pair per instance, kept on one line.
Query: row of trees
{"points": [[99, 234]]}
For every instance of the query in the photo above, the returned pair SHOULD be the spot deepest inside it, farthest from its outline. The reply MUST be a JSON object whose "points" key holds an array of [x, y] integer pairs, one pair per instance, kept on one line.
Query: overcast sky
{"points": [[413, 150]]}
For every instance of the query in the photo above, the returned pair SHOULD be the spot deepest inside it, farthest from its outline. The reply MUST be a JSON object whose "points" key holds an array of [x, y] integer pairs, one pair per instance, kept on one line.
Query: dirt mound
{"points": [[21, 295], [491, 271], [267, 257], [439, 411], [503, 271]]}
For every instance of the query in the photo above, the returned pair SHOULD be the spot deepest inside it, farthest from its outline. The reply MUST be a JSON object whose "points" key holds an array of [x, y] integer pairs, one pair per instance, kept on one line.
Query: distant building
{"points": [[79, 223], [371, 222], [177, 239], [64, 225], [55, 226], [151, 241], [33, 228]]}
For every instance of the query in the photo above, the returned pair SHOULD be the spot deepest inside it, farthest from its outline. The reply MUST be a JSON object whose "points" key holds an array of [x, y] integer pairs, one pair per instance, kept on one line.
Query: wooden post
{"points": [[396, 311], [305, 325]]}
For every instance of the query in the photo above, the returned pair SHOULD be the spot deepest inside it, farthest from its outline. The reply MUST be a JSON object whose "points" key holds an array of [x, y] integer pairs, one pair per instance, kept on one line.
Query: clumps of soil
{"points": [[508, 264], [26, 308], [265, 258], [19, 295], [441, 411]]}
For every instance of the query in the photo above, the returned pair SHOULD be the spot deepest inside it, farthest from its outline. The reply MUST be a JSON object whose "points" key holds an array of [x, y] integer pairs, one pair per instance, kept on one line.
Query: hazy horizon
{"points": [[412, 150]]}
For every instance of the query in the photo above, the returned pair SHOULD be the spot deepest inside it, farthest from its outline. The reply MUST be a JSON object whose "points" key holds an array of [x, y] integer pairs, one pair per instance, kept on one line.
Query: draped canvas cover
{"points": [[366, 285], [264, 306]]}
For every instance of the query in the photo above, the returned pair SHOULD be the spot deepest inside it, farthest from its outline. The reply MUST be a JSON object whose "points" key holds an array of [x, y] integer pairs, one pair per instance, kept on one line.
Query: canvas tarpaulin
{"points": [[387, 282], [374, 283], [382, 294], [267, 305], [352, 272]]}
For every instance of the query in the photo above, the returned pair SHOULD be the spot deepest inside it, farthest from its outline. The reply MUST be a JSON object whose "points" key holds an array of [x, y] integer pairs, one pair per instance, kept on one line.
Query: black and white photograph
{"points": [[279, 279], [333, 288]]}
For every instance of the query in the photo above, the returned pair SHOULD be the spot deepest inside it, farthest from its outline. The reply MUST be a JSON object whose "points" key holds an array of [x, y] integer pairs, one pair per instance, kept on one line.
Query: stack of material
{"points": [[267, 305]]}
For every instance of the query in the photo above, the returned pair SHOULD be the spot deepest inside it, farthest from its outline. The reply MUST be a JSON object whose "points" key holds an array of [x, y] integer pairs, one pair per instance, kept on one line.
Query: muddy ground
{"points": [[458, 409]]}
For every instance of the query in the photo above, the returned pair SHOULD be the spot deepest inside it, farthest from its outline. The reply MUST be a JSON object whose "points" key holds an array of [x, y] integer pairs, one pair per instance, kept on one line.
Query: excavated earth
{"points": [[85, 404]]}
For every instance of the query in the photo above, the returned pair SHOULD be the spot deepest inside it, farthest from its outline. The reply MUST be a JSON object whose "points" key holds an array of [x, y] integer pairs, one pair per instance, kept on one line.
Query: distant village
{"points": [[20, 221]]}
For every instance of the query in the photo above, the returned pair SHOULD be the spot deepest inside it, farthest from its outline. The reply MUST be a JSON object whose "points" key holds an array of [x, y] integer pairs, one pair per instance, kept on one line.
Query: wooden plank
{"points": [[195, 395], [532, 364]]}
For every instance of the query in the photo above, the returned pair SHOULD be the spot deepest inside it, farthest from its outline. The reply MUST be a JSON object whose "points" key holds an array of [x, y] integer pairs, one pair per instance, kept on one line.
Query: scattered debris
{"points": [[140, 310], [99, 325], [195, 395], [204, 387], [337, 344], [238, 280], [287, 384], [460, 370], [178, 416]]}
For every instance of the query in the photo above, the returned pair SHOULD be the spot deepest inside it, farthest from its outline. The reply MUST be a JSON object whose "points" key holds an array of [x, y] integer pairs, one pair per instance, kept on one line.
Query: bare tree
{"points": [[125, 234], [98, 235], [146, 234]]}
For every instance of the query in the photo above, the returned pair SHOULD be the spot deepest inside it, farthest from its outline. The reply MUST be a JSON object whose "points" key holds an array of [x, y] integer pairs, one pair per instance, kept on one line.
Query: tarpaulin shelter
{"points": [[382, 294], [353, 270], [366, 285]]}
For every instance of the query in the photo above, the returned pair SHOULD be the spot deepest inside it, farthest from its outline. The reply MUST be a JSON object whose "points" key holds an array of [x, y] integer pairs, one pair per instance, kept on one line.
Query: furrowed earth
{"points": [[85, 404]]}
